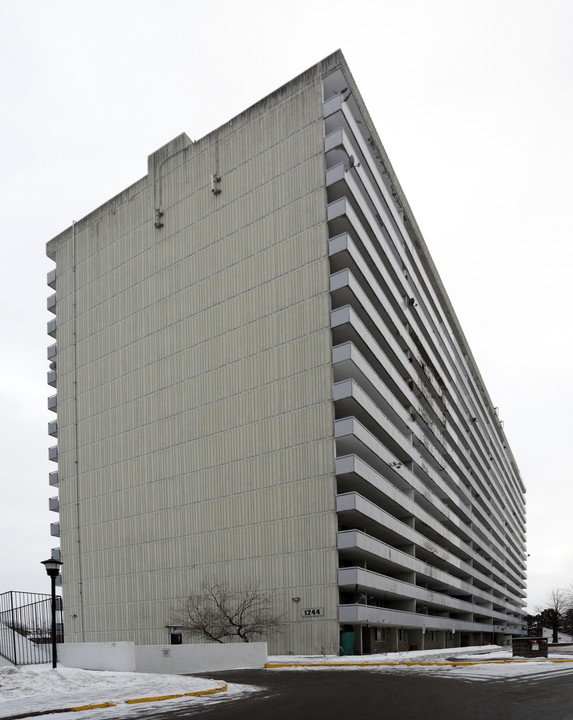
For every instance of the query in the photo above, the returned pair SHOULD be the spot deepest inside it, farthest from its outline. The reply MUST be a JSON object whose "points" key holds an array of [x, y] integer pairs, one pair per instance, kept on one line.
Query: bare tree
{"points": [[220, 613], [558, 602]]}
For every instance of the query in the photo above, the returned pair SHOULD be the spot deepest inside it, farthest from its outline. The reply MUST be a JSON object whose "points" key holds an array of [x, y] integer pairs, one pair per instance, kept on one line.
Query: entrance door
{"points": [[347, 642]]}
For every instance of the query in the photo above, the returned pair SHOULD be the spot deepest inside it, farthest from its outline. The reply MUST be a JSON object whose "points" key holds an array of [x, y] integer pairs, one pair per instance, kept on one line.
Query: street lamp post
{"points": [[53, 570]]}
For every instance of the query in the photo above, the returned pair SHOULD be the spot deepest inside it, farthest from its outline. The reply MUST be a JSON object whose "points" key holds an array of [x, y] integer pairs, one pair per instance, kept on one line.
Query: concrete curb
{"points": [[221, 687], [452, 663]]}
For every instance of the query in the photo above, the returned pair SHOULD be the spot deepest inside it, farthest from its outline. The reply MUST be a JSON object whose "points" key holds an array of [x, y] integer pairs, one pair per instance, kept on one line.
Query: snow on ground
{"points": [[476, 653], [495, 662], [37, 688]]}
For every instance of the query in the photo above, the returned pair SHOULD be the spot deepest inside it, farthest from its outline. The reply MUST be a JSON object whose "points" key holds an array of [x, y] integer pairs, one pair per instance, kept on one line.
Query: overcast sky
{"points": [[473, 100]]}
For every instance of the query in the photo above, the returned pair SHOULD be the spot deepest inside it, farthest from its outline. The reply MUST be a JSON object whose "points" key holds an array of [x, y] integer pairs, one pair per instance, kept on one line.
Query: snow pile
{"points": [[34, 680]]}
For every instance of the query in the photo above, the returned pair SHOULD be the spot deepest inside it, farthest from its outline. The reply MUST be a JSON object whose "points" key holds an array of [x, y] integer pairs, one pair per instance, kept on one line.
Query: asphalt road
{"points": [[370, 695]]}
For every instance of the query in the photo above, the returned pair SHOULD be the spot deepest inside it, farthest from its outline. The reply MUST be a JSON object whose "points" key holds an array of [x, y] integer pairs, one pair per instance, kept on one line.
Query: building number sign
{"points": [[312, 612]]}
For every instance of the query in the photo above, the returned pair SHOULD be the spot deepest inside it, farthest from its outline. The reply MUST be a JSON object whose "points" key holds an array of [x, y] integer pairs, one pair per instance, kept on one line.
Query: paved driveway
{"points": [[391, 695]]}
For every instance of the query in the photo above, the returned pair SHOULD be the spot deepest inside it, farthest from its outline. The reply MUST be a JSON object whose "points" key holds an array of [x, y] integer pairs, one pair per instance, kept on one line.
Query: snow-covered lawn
{"points": [[36, 688], [471, 663], [477, 653]]}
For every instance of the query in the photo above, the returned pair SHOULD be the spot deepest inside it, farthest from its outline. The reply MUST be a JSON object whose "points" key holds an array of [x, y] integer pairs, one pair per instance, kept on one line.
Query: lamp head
{"points": [[52, 567]]}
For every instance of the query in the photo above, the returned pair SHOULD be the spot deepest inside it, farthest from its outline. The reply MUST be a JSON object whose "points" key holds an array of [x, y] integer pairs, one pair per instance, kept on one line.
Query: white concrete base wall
{"points": [[118, 656], [168, 659], [183, 659]]}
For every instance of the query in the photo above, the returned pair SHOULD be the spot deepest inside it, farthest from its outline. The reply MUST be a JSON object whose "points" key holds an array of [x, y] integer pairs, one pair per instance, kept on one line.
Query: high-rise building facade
{"points": [[260, 379]]}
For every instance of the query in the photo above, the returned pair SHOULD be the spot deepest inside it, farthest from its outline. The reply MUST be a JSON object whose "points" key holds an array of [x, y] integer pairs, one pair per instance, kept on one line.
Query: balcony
{"points": [[55, 529], [53, 428], [443, 548], [53, 479], [56, 554], [54, 504], [52, 352], [51, 279], [355, 511], [53, 403], [51, 303], [373, 615], [360, 547], [388, 560], [53, 453], [51, 377], [393, 590], [51, 327]]}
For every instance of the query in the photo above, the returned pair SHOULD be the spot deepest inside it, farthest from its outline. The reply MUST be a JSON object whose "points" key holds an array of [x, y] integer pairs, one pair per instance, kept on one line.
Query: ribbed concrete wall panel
{"points": [[147, 306], [204, 392]]}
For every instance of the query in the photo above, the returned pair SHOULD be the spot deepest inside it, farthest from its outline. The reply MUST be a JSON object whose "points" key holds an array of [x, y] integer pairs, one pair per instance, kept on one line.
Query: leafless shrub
{"points": [[221, 614]]}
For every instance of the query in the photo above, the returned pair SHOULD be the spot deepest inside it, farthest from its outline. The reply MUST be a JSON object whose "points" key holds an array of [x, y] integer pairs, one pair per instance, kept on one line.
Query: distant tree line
{"points": [[557, 615]]}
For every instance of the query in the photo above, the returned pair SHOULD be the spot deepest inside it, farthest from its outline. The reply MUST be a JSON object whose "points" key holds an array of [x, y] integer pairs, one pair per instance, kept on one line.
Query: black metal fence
{"points": [[26, 627]]}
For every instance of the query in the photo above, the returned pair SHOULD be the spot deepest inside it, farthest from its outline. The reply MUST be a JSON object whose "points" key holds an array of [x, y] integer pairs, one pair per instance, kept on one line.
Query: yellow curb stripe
{"points": [[152, 699], [92, 707], [409, 664], [222, 687], [212, 691], [335, 665]]}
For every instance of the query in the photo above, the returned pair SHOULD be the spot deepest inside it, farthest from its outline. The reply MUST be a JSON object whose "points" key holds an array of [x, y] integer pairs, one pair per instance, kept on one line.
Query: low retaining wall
{"points": [[118, 656], [167, 659], [185, 659]]}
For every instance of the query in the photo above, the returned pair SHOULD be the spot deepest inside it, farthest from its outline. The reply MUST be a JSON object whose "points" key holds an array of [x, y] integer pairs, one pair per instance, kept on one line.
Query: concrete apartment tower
{"points": [[260, 379]]}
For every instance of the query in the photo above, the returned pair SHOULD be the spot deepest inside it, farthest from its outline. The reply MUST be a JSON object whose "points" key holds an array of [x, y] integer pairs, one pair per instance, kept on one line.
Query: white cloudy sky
{"points": [[473, 100]]}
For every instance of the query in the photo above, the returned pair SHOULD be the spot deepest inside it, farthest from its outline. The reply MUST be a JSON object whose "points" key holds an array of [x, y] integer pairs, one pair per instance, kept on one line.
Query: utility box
{"points": [[530, 647]]}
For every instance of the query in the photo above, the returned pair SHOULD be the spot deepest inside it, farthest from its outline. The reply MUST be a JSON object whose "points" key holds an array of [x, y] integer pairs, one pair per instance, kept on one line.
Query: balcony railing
{"points": [[374, 615]]}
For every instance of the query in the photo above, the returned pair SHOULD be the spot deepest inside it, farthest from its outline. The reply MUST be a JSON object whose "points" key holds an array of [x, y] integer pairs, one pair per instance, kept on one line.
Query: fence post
{"points": [[15, 660]]}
